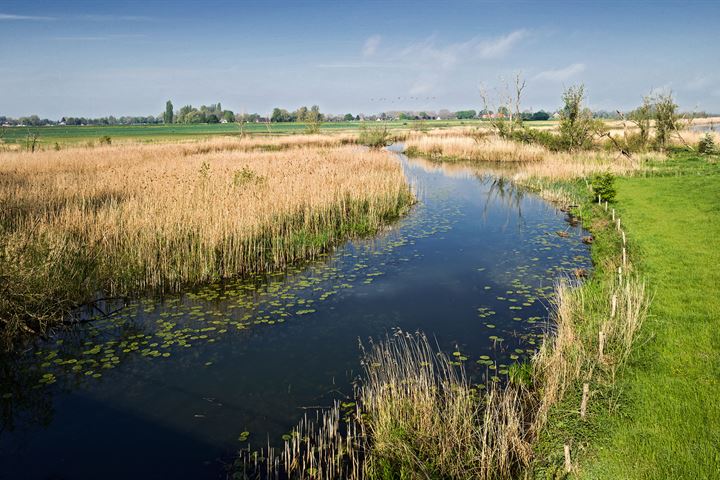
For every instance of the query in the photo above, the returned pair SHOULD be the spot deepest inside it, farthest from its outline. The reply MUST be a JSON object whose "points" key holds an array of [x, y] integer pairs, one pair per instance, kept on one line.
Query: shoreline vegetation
{"points": [[131, 218], [416, 416], [123, 220]]}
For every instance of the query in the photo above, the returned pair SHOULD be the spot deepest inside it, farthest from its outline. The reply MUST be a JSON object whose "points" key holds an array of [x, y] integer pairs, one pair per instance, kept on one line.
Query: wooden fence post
{"points": [[583, 404], [568, 464]]}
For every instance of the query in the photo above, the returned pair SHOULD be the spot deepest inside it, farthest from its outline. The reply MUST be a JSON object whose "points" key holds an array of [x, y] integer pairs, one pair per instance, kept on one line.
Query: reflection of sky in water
{"points": [[163, 388]]}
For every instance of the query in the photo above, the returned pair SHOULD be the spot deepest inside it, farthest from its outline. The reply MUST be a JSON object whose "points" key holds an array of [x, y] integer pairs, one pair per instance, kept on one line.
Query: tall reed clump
{"points": [[426, 420], [417, 416], [126, 219]]}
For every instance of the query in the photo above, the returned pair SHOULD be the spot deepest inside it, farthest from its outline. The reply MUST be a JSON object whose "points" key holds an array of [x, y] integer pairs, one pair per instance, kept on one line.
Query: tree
{"points": [[666, 118], [313, 119], [465, 114], [211, 118], [541, 116], [229, 116], [168, 116], [280, 115], [348, 117], [301, 114], [577, 125]]}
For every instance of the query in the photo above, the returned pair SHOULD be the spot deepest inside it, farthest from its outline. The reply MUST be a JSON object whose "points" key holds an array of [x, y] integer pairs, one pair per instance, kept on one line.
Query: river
{"points": [[163, 388]]}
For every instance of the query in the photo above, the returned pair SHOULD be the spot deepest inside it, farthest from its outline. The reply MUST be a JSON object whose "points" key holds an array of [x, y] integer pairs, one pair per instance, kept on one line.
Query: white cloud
{"points": [[9, 16], [561, 74], [500, 46], [371, 45]]}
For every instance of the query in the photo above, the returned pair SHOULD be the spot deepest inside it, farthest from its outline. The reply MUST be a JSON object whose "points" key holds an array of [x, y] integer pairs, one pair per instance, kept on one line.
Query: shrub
{"points": [[706, 145], [374, 137], [666, 119], [577, 126], [603, 186], [105, 140]]}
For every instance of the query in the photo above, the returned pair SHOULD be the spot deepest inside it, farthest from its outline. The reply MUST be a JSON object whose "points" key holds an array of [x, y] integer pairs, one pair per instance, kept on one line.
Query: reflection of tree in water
{"points": [[23, 400], [504, 192]]}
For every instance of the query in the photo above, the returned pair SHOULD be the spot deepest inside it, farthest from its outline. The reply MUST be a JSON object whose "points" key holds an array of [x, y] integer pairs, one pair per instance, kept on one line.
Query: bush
{"points": [[706, 145], [374, 137], [546, 139], [105, 140], [577, 125], [603, 186]]}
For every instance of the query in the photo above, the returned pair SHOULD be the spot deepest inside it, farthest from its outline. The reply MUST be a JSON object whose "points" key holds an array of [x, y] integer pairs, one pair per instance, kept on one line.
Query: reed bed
{"points": [[126, 219], [461, 147], [524, 163]]}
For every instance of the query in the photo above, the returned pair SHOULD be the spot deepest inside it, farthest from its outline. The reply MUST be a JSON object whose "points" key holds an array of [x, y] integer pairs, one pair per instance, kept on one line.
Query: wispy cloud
{"points": [[359, 65], [500, 46], [561, 74], [99, 38], [113, 18], [35, 18], [371, 45], [436, 61]]}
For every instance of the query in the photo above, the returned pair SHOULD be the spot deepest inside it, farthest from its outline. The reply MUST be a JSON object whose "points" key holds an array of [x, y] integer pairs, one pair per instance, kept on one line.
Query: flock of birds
{"points": [[399, 99]]}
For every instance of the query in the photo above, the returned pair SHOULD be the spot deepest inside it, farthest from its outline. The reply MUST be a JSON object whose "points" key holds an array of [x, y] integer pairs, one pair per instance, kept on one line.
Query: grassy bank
{"points": [[127, 219], [670, 426], [653, 415]]}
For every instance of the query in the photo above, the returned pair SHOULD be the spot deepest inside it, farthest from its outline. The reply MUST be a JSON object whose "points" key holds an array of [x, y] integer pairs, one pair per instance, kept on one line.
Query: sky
{"points": [[95, 58]]}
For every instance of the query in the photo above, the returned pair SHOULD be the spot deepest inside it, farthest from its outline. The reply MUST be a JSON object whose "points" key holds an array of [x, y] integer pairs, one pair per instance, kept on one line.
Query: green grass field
{"points": [[670, 426], [65, 135], [74, 134]]}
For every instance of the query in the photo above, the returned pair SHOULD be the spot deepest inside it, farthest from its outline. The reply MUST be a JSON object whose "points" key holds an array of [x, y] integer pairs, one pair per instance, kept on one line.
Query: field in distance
{"points": [[49, 135]]}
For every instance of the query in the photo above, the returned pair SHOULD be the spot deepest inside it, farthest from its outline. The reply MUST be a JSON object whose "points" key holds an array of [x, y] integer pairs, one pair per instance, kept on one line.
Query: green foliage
{"points": [[666, 118], [603, 185], [577, 126], [520, 374], [465, 114], [228, 116], [641, 117], [706, 145], [105, 140], [541, 137], [374, 137], [540, 116], [246, 176], [168, 115]]}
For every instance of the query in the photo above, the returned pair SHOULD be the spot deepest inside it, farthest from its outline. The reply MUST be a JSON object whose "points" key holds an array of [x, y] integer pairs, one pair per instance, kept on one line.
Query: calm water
{"points": [[163, 389]]}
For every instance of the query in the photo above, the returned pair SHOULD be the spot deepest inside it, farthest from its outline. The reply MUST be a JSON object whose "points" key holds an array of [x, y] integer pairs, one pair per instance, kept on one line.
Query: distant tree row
{"points": [[212, 113], [302, 114], [35, 121]]}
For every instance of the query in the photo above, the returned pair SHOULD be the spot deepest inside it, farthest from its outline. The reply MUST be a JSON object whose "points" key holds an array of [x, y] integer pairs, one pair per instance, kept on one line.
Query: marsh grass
{"points": [[127, 219]]}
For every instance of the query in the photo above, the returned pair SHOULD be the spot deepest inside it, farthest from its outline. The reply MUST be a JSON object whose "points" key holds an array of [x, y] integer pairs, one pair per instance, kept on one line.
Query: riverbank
{"points": [[127, 219], [667, 424], [653, 417]]}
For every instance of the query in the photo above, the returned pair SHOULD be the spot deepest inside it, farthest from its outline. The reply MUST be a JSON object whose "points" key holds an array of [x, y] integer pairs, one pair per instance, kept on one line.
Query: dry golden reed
{"points": [[123, 219]]}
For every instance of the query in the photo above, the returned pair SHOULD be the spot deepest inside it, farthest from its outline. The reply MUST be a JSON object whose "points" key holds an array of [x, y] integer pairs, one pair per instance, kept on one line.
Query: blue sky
{"points": [[95, 58]]}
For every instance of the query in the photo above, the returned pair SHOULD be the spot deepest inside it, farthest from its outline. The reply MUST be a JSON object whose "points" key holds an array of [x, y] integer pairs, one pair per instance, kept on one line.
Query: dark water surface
{"points": [[164, 389]]}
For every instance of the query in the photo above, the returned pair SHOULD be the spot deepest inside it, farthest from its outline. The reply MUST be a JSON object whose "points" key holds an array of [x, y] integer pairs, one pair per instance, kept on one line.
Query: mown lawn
{"points": [[670, 423]]}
